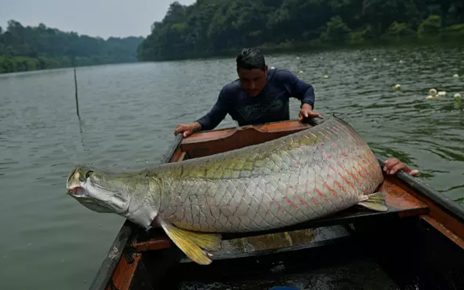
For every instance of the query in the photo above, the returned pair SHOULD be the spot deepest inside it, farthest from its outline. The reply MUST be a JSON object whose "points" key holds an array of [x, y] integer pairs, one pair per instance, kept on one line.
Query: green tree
{"points": [[431, 26], [28, 48], [380, 13], [214, 27], [237, 23], [398, 30], [299, 19], [336, 31]]}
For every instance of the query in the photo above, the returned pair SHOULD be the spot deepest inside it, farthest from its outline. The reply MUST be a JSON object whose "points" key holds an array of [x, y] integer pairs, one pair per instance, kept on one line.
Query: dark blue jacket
{"points": [[269, 106]]}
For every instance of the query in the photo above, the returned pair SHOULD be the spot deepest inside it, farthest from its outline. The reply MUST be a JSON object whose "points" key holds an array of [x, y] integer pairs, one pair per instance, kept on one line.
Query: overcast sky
{"points": [[102, 18]]}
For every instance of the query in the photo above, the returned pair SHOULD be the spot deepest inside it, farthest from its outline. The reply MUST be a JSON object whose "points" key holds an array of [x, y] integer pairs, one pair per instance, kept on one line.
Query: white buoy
{"points": [[396, 87], [433, 94], [441, 94]]}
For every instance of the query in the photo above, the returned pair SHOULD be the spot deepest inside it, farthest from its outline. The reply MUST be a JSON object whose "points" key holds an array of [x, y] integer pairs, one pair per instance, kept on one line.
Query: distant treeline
{"points": [[213, 27], [30, 48]]}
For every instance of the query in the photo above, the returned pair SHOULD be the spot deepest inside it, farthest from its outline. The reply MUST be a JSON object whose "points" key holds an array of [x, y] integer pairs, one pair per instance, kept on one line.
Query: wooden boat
{"points": [[417, 244]]}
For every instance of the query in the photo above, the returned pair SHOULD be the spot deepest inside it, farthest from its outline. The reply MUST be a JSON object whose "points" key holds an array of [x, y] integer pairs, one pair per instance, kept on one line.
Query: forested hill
{"points": [[212, 27], [29, 48]]}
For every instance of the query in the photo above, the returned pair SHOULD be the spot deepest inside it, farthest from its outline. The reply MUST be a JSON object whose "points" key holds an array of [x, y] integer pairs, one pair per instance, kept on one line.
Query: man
{"points": [[261, 95]]}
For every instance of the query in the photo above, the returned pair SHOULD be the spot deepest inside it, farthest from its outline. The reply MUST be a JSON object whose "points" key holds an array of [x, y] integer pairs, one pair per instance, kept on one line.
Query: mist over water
{"points": [[128, 113]]}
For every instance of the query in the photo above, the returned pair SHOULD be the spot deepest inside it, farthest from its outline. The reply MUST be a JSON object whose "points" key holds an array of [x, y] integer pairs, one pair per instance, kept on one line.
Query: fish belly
{"points": [[293, 179]]}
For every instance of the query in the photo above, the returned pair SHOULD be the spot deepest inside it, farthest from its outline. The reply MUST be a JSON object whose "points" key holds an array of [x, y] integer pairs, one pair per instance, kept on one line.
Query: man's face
{"points": [[252, 81]]}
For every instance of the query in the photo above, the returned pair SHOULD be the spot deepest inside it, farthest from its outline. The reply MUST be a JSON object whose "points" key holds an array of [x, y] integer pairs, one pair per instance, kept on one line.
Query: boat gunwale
{"points": [[451, 207]]}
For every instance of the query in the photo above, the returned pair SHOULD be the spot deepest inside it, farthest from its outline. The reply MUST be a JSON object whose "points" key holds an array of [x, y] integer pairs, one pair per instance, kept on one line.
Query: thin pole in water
{"points": [[77, 100]]}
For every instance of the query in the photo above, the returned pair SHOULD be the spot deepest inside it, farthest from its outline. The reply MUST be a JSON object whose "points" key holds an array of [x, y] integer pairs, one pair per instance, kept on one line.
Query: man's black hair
{"points": [[251, 58]]}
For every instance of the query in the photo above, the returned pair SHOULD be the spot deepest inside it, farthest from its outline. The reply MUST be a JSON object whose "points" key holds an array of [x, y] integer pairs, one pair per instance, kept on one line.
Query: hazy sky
{"points": [[102, 18]]}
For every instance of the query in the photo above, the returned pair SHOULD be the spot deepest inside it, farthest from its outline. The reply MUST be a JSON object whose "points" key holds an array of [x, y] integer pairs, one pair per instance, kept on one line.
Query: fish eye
{"points": [[88, 173]]}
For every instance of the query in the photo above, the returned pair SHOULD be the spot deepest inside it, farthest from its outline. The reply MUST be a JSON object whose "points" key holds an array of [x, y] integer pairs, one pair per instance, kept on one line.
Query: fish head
{"points": [[97, 191]]}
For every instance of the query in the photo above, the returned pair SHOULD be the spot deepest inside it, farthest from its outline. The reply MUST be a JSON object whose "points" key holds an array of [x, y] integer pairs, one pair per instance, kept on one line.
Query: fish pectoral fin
{"points": [[193, 244], [375, 201]]}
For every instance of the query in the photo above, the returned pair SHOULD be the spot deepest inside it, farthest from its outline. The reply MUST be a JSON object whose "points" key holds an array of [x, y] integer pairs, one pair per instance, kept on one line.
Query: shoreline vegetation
{"points": [[26, 48], [213, 28], [218, 27]]}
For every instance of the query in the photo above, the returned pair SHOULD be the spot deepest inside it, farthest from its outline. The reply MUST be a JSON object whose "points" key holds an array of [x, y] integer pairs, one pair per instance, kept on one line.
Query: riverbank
{"points": [[9, 64]]}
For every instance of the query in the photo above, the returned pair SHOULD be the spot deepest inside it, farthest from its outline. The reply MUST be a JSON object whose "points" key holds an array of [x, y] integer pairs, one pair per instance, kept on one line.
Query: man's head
{"points": [[252, 71]]}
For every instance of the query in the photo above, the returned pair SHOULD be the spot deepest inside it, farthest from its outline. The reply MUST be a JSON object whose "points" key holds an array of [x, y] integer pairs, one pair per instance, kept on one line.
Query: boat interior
{"points": [[416, 244]]}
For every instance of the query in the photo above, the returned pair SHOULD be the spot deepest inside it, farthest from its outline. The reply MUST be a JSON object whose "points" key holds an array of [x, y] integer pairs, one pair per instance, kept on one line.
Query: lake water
{"points": [[128, 112]]}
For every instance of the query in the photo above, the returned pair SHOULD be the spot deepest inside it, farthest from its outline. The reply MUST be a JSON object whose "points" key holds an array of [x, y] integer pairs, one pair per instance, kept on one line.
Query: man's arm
{"points": [[307, 100], [298, 88], [306, 91], [217, 113], [207, 122], [187, 129], [302, 91], [306, 111]]}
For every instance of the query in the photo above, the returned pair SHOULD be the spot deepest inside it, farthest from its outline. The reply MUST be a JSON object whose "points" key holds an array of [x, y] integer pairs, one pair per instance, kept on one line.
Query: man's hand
{"points": [[306, 111], [393, 165], [187, 129]]}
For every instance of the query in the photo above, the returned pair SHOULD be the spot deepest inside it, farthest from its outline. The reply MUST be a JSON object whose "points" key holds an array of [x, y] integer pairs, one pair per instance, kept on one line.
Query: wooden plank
{"points": [[212, 142], [275, 127], [444, 230], [124, 273], [112, 259], [449, 225], [444, 215], [400, 200], [157, 242]]}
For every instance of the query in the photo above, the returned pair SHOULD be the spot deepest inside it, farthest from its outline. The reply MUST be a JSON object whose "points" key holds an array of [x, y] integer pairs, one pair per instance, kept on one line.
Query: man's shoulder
{"points": [[231, 88], [280, 75]]}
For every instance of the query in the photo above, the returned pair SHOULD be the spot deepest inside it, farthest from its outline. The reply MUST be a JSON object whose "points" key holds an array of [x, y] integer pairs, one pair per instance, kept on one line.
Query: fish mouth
{"points": [[77, 192], [74, 183]]}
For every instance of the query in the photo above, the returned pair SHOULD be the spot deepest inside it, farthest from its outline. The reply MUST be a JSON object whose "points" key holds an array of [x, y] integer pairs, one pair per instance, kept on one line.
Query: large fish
{"points": [[299, 177]]}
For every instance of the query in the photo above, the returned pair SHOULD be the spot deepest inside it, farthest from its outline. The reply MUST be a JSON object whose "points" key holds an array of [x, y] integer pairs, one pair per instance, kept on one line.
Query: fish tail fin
{"points": [[375, 201], [193, 244]]}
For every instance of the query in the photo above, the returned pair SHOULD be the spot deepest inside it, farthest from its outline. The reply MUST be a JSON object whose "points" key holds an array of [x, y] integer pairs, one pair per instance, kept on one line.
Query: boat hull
{"points": [[418, 243]]}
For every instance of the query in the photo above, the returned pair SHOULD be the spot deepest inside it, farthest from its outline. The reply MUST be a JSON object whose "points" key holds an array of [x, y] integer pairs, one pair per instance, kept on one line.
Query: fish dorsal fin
{"points": [[375, 201], [193, 244]]}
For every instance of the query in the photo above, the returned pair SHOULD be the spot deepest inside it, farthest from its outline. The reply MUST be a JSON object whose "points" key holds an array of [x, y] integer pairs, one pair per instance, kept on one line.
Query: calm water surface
{"points": [[49, 241]]}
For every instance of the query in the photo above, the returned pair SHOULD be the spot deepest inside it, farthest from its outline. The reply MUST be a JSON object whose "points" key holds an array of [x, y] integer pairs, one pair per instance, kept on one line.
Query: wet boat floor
{"points": [[333, 260], [357, 274], [379, 254]]}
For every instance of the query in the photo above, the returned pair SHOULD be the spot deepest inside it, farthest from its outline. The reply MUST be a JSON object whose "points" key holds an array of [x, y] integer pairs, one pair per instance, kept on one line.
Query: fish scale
{"points": [[281, 187]]}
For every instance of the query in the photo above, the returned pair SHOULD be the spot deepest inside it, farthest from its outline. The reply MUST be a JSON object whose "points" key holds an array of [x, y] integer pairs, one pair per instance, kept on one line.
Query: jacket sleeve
{"points": [[298, 88], [217, 113]]}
